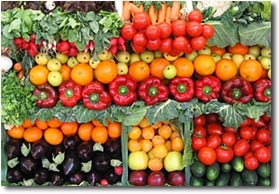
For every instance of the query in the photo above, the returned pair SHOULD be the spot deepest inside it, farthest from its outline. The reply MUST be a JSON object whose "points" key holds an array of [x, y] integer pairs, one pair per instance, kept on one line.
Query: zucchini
{"points": [[236, 179], [264, 170], [213, 171], [226, 167], [264, 182], [238, 164], [198, 169], [249, 177], [209, 183], [196, 181], [223, 180]]}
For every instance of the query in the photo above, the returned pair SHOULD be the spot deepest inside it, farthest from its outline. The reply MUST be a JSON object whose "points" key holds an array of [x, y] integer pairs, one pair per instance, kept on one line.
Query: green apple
{"points": [[192, 55], [123, 56], [265, 61], [205, 51], [254, 50], [237, 59], [122, 68], [266, 52], [249, 57], [94, 63], [269, 74], [147, 56], [157, 54], [138, 160], [169, 71], [54, 65], [55, 78], [72, 61], [227, 56], [61, 57], [173, 161], [169, 57], [216, 57], [42, 58], [134, 58], [83, 57], [105, 55]]}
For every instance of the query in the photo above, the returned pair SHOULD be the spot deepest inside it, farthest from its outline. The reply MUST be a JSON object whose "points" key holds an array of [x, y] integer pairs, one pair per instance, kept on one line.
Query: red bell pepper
{"points": [[152, 91], [237, 90], [47, 96], [95, 97], [262, 89], [182, 88], [208, 88], [123, 90], [69, 93]]}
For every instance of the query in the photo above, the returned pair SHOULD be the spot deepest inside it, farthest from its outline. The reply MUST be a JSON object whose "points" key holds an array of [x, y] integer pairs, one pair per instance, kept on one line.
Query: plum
{"points": [[138, 178], [176, 178], [156, 178]]}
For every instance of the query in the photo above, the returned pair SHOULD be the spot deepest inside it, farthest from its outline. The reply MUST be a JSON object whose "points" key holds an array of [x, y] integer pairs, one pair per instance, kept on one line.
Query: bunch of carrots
{"points": [[158, 11], [18, 68]]}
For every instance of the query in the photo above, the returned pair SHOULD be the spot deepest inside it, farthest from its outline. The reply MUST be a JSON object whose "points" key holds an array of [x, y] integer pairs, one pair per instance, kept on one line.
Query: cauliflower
{"points": [[219, 5]]}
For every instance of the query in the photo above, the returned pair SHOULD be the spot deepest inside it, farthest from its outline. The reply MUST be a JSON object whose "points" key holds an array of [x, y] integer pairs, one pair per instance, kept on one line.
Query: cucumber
{"points": [[236, 179], [238, 164], [213, 171], [249, 177], [198, 169], [209, 183], [264, 182], [196, 181], [264, 170], [223, 180], [226, 167]]}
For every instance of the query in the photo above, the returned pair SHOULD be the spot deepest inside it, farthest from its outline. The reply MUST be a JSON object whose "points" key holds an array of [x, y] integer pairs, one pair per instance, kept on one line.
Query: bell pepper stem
{"points": [[43, 95], [236, 93], [69, 93], [153, 91], [207, 90], [181, 88], [267, 92], [94, 98], [123, 90]]}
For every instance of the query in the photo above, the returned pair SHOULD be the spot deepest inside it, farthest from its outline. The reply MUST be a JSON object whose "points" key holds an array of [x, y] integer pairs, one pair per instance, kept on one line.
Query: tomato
{"points": [[212, 118], [153, 45], [258, 124], [265, 118], [174, 53], [195, 15], [214, 129], [208, 31], [188, 49], [141, 21], [165, 30], [128, 31], [198, 143], [246, 133], [269, 126], [139, 39], [251, 163], [248, 155], [198, 43], [213, 141], [263, 136], [207, 155], [137, 49], [194, 29], [200, 120], [152, 32], [178, 27], [199, 131], [224, 154], [254, 145], [241, 147], [179, 43], [228, 139], [166, 45], [263, 154], [246, 122], [231, 129]]}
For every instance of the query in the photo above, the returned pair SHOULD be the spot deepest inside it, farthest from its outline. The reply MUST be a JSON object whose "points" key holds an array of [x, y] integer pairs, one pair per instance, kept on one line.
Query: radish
{"points": [[72, 44], [25, 45], [32, 38], [121, 41], [113, 50], [72, 52], [6, 63], [113, 41], [18, 42], [122, 47], [63, 46], [91, 47]]}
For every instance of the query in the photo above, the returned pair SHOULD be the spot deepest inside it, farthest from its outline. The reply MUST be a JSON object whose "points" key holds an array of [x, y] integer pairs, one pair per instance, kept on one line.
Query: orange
{"points": [[204, 65], [175, 134], [54, 123], [97, 123], [157, 67], [150, 154], [146, 145], [225, 69], [160, 151], [165, 131], [144, 123], [184, 67], [177, 144], [157, 140], [69, 128], [134, 133], [251, 70], [82, 74], [217, 50], [27, 123], [238, 48], [114, 130], [16, 132], [168, 145], [106, 71], [155, 164], [99, 134], [173, 127], [32, 134], [41, 124], [65, 72], [38, 75], [157, 125], [147, 133], [84, 131], [53, 136], [139, 70], [134, 145]]}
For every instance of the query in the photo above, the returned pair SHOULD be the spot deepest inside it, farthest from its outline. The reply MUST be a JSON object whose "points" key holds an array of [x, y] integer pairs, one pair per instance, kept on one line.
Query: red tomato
{"points": [[214, 129], [230, 129], [188, 49], [198, 143], [166, 45], [212, 118], [213, 141], [137, 49], [207, 155], [195, 15], [152, 32], [178, 27], [165, 30], [254, 145], [269, 126], [139, 39], [174, 53], [241, 147], [251, 163], [246, 133], [265, 118], [263, 136], [258, 124], [128, 31], [248, 155], [141, 21], [224, 155], [153, 45], [246, 122], [198, 43], [179, 43], [200, 120], [194, 29], [208, 31], [199, 131], [228, 139]]}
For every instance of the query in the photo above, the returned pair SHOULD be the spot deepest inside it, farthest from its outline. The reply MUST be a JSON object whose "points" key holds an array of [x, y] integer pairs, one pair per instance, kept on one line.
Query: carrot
{"points": [[162, 13], [17, 67], [20, 74], [126, 14], [134, 9], [175, 11], [168, 14], [152, 14]]}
